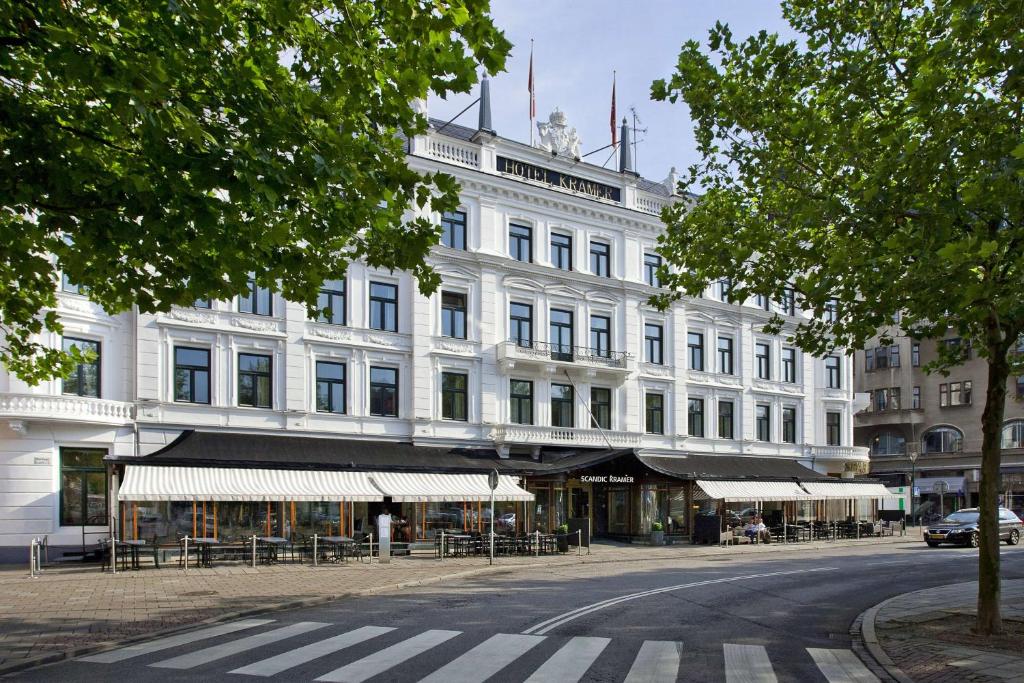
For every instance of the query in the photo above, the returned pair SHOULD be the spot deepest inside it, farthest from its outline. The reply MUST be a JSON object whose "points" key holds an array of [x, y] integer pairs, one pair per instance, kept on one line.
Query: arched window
{"points": [[942, 440], [888, 443], [1013, 434]]}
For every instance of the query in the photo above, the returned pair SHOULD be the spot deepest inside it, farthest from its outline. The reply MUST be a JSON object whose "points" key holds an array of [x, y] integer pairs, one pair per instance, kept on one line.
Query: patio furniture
{"points": [[269, 549], [204, 554], [339, 547]]}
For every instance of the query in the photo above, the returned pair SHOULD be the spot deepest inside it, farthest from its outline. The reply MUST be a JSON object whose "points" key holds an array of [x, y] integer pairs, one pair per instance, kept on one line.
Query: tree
{"points": [[876, 163], [158, 151]]}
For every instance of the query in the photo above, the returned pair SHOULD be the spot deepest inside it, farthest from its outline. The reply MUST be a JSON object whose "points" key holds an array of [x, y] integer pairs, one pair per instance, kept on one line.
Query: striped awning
{"points": [[741, 490], [428, 487], [845, 490], [241, 484]]}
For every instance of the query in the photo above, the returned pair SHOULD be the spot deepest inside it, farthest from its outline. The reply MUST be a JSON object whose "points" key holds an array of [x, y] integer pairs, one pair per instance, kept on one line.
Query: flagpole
{"points": [[533, 101]]}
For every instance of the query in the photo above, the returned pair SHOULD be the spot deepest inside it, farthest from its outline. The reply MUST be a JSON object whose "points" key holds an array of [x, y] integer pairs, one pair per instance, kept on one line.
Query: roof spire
{"points": [[626, 149], [484, 123]]}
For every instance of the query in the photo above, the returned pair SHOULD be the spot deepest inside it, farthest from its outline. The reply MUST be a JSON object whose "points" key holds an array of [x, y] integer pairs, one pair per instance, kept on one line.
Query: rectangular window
{"points": [[832, 372], [191, 375], [561, 251], [832, 430], [894, 356], [695, 350], [383, 306], [84, 379], [600, 335], [915, 354], [725, 364], [201, 303], [562, 406], [789, 365], [725, 420], [453, 315], [654, 422], [70, 287], [520, 242], [454, 396], [762, 359], [83, 487], [789, 424], [601, 407], [915, 399], [787, 305], [600, 259], [869, 359], [257, 300], [520, 393], [384, 392], [453, 229], [881, 399], [832, 311], [561, 335], [654, 343], [331, 302], [763, 422], [520, 318], [254, 380], [762, 302], [955, 394], [695, 417], [330, 387], [724, 287], [882, 357], [894, 398], [651, 264]]}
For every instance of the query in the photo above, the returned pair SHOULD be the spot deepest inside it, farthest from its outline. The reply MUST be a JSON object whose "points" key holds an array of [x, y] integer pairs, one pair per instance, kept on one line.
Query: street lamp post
{"points": [[913, 454]]}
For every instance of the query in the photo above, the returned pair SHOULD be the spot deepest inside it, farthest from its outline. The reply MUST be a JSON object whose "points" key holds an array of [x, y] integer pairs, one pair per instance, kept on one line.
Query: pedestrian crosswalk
{"points": [[449, 656]]}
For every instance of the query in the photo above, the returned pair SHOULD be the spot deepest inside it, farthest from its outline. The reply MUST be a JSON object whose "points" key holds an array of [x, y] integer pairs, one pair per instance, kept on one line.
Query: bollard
{"points": [[579, 542], [371, 547], [536, 543], [314, 550], [858, 531], [32, 559], [442, 545], [186, 553], [113, 554], [254, 551]]}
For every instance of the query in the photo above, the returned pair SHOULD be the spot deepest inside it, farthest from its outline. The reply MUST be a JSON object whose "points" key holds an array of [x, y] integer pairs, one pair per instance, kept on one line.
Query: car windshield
{"points": [[961, 518]]}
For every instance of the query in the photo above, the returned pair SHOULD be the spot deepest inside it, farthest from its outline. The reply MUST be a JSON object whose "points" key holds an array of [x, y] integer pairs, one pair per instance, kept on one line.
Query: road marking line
{"points": [[167, 643], [570, 663], [841, 666], [657, 662], [554, 622], [388, 658], [484, 660], [747, 664], [292, 658], [212, 654]]}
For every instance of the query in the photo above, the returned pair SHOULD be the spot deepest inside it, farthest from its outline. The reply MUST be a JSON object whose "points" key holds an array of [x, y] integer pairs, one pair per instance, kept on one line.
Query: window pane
{"points": [[330, 370], [383, 375]]}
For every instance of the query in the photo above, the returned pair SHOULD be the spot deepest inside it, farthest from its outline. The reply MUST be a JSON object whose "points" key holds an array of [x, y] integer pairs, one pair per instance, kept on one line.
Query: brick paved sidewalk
{"points": [[926, 636], [69, 610]]}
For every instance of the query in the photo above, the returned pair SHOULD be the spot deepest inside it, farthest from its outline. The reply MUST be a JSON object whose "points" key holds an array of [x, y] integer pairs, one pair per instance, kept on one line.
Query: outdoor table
{"points": [[132, 548], [459, 544], [271, 544], [339, 546], [204, 556]]}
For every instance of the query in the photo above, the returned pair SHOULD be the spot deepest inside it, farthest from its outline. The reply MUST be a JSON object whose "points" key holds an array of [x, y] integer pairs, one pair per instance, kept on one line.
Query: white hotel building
{"points": [[539, 355]]}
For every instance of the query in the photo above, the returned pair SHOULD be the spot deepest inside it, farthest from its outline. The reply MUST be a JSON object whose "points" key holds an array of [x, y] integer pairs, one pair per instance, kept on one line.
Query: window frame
{"points": [[331, 382], [453, 397], [382, 304], [256, 375], [79, 371], [601, 408], [561, 254], [654, 415], [383, 386], [516, 323], [726, 356], [564, 351], [654, 344], [192, 370], [521, 239], [695, 351], [82, 472], [516, 402], [695, 416], [915, 354], [727, 418], [602, 350], [450, 315], [763, 422], [789, 365], [449, 223], [566, 406], [326, 298], [789, 424], [600, 261], [652, 262], [255, 297], [833, 375], [763, 361], [833, 432]]}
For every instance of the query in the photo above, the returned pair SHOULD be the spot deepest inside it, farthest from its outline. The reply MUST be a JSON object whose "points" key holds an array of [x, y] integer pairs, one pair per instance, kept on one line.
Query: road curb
{"points": [[868, 637], [570, 560]]}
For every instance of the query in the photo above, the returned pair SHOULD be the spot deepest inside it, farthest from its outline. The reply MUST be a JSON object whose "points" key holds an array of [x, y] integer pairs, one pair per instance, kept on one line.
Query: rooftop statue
{"points": [[557, 136]]}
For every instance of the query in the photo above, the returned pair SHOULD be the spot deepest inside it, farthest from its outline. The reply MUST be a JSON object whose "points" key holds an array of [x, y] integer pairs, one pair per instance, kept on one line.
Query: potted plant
{"points": [[657, 533], [563, 538]]}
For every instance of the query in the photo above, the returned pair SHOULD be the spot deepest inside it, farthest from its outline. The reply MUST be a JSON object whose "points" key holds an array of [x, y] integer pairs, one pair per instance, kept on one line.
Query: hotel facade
{"points": [[539, 356]]}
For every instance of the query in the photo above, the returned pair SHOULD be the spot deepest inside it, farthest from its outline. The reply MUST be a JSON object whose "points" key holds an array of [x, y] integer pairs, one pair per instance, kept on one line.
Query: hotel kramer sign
{"points": [[559, 180]]}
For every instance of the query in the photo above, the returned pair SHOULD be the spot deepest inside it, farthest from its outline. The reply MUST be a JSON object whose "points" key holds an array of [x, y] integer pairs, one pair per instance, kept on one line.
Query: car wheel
{"points": [[974, 540], [932, 544], [1014, 538]]}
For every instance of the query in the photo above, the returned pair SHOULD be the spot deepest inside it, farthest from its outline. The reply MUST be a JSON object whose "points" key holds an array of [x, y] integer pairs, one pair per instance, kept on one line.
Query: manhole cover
{"points": [[196, 594]]}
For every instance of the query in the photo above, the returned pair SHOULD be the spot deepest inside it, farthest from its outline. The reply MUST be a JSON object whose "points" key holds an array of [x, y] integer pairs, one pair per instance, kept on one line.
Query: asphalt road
{"points": [[736, 618]]}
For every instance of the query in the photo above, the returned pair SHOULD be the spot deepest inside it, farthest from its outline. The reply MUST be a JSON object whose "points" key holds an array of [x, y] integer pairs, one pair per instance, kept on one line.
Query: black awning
{"points": [[278, 451], [702, 466]]}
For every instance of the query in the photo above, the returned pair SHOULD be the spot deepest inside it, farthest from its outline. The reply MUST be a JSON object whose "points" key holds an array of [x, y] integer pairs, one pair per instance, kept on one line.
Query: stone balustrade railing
{"points": [[76, 408], [532, 434]]}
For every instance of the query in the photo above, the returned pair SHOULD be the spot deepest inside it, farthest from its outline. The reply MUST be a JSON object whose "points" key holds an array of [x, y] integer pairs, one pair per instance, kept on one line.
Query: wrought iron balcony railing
{"points": [[567, 354]]}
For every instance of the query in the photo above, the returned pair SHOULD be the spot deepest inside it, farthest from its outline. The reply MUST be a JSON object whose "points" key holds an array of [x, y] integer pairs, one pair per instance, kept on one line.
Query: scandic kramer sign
{"points": [[558, 180]]}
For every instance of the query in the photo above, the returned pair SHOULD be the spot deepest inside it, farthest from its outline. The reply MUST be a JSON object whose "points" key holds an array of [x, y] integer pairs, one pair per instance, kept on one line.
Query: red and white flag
{"points": [[611, 120]]}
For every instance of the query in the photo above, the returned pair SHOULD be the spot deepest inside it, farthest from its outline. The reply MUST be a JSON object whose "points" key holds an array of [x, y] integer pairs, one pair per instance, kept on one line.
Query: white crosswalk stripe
{"points": [[657, 662], [212, 654], [571, 662], [484, 660], [841, 666], [747, 664], [322, 648], [388, 658], [150, 646]]}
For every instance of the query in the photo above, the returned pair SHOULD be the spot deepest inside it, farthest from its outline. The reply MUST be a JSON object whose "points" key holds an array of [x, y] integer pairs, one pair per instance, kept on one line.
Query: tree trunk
{"points": [[989, 617]]}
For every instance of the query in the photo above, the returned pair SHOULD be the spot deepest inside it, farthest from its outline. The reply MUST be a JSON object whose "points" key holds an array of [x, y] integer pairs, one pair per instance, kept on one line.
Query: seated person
{"points": [[754, 529]]}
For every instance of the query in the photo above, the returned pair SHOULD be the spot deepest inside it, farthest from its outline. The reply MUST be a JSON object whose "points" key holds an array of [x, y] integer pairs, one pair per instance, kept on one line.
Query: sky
{"points": [[577, 45]]}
